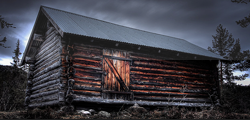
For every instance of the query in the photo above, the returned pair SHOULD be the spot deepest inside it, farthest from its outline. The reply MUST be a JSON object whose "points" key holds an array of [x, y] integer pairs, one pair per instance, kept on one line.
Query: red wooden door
{"points": [[117, 75]]}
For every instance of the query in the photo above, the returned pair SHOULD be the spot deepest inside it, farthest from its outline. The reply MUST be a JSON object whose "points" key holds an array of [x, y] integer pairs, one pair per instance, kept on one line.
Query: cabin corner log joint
{"points": [[70, 72], [91, 61]]}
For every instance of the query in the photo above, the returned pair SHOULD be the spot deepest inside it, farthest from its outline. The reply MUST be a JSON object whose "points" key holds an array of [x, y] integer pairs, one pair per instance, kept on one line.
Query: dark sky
{"points": [[192, 20]]}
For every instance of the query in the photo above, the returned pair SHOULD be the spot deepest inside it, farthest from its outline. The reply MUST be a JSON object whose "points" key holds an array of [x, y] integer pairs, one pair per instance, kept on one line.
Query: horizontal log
{"points": [[189, 79], [45, 98], [177, 79], [49, 55], [168, 66], [116, 92], [48, 88], [193, 100], [91, 71], [172, 86], [33, 96], [168, 73], [180, 77], [88, 85], [87, 53], [55, 74], [169, 94], [48, 50], [140, 103], [78, 87], [97, 58], [86, 93], [86, 63], [47, 60], [79, 96], [168, 85], [175, 82], [87, 82], [45, 84], [207, 64], [55, 65], [42, 104], [44, 55], [87, 67], [88, 75], [165, 75], [88, 48], [170, 69], [53, 43], [47, 39], [168, 89], [150, 57], [171, 80], [169, 62], [88, 78], [139, 56]]}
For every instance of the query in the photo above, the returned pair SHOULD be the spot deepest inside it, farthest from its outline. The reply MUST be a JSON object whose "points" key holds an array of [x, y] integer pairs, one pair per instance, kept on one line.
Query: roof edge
{"points": [[30, 38]]}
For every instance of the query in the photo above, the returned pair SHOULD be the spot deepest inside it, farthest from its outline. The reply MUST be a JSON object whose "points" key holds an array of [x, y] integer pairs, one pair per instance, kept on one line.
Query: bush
{"points": [[235, 98], [12, 86]]}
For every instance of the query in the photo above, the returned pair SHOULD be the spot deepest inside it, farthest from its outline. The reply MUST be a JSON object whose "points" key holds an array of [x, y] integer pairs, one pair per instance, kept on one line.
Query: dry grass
{"points": [[167, 113]]}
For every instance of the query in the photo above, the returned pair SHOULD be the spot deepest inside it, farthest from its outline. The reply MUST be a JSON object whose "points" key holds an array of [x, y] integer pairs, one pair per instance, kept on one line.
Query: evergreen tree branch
{"points": [[244, 22]]}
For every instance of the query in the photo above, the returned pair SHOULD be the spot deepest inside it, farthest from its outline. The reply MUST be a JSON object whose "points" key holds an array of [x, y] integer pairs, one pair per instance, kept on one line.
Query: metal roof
{"points": [[86, 26]]}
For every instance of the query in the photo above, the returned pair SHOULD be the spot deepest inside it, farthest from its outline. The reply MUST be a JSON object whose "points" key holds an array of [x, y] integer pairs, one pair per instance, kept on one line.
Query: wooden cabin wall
{"points": [[169, 80], [47, 81], [87, 62], [151, 79]]}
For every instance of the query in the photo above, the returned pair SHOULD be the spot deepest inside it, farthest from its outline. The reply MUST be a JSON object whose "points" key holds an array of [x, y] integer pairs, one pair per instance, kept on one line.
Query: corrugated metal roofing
{"points": [[81, 25]]}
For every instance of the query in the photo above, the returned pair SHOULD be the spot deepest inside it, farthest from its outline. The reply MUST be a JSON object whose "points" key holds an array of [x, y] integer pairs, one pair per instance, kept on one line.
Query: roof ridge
{"points": [[113, 23]]}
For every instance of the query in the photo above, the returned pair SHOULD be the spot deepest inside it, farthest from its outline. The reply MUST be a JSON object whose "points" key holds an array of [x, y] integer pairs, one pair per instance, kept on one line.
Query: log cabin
{"points": [[74, 59]]}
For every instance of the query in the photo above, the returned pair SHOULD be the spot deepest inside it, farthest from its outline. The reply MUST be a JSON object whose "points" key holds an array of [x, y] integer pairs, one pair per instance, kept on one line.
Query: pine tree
{"points": [[225, 45], [17, 53], [222, 42]]}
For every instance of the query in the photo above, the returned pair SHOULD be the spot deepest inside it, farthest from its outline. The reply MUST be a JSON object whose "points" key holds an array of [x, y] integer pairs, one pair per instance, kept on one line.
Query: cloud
{"points": [[193, 20], [243, 82], [5, 61]]}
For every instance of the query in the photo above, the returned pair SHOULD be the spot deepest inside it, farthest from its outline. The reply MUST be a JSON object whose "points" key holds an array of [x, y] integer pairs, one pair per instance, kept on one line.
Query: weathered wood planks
{"points": [[46, 82]]}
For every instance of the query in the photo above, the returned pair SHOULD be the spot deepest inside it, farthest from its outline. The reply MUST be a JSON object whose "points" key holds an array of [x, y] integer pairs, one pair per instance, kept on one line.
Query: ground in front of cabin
{"points": [[133, 112]]}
